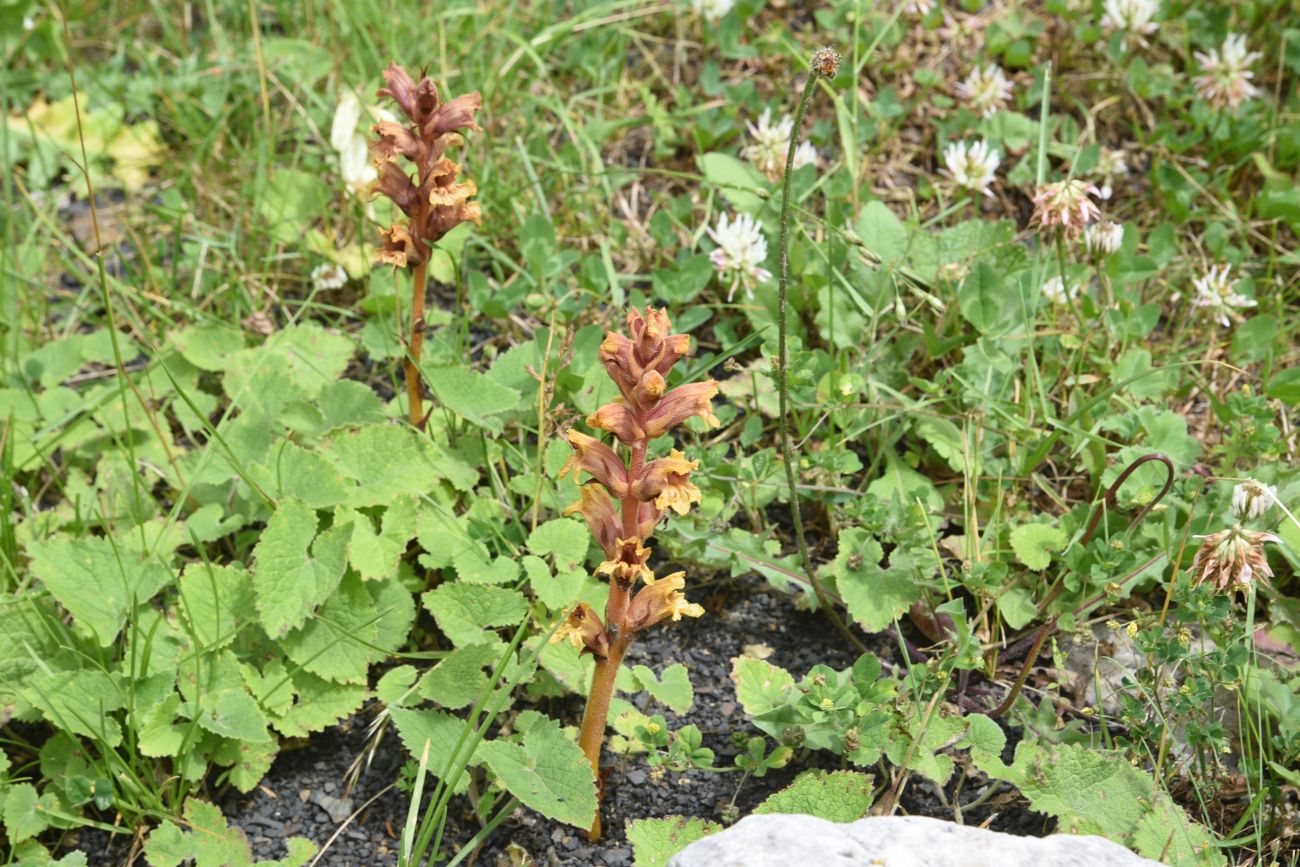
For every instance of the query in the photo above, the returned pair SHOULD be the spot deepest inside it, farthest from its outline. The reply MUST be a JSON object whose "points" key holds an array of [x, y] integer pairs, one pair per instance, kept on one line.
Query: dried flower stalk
{"points": [[434, 201], [639, 363]]}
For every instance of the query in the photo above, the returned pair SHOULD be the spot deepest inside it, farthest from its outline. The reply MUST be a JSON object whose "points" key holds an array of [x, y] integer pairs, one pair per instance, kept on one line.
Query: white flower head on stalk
{"points": [[1217, 293], [770, 144], [1054, 290], [1226, 76], [328, 276], [1251, 499], [1130, 17], [1067, 205], [1103, 238], [740, 254], [713, 10], [985, 90], [1110, 165], [971, 165], [349, 139], [918, 7]]}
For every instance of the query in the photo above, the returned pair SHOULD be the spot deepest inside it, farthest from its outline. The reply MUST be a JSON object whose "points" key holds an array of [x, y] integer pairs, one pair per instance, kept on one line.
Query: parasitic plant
{"points": [[624, 501], [434, 201]]}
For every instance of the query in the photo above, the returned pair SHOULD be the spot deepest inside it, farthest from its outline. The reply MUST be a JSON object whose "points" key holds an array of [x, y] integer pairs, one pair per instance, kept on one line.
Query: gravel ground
{"points": [[303, 795]]}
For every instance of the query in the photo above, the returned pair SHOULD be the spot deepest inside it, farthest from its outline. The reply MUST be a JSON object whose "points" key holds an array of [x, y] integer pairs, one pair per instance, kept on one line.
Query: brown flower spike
{"points": [[639, 363], [434, 200]]}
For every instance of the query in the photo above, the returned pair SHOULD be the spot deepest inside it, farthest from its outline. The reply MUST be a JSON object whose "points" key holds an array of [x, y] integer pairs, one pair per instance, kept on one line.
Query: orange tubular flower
{"points": [[592, 456], [620, 420], [660, 601], [596, 507], [667, 482], [628, 563], [680, 404]]}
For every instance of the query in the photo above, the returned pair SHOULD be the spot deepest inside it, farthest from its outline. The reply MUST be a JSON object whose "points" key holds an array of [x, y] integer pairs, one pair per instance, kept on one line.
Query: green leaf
{"points": [[654, 841], [760, 686], [466, 612], [907, 484], [549, 774], [838, 796], [442, 731], [158, 734], [554, 591], [97, 580], [78, 702], [319, 704], [739, 182], [473, 396], [563, 539], [1016, 605], [382, 462], [882, 232], [233, 714], [295, 570], [458, 679], [1033, 544], [334, 644], [375, 555], [673, 689], [985, 735], [217, 601], [945, 438], [874, 596], [25, 812], [295, 363], [208, 345], [210, 842], [982, 297]]}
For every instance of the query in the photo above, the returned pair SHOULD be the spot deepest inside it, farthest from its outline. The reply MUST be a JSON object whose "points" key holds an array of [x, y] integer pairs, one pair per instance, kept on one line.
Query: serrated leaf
{"points": [[555, 591], [382, 462], [96, 580], [983, 734], [335, 643], [375, 555], [210, 842], [295, 363], [318, 705], [233, 714], [466, 612], [397, 686], [945, 438], [158, 733], [838, 796], [901, 481], [473, 396], [760, 685], [549, 774], [216, 602], [654, 841], [456, 681], [564, 540], [26, 813], [78, 702], [442, 731], [875, 596], [672, 689], [473, 562], [208, 345], [294, 569], [1034, 544]]}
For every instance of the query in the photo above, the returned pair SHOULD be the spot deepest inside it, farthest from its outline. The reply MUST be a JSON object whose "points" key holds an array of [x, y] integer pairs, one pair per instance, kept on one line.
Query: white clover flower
{"points": [[1225, 80], [350, 142], [986, 89], [328, 276], [971, 165], [770, 144], [713, 10], [918, 7], [1103, 238], [1054, 290], [1110, 165], [1217, 292], [1131, 17], [740, 254], [1251, 499]]}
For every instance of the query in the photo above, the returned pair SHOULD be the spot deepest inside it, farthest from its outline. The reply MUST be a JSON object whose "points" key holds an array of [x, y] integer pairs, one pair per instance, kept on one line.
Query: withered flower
{"points": [[1232, 559], [582, 628], [598, 510], [1066, 205]]}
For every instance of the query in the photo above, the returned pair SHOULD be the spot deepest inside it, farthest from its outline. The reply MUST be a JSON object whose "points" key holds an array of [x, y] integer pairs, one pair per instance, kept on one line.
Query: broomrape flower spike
{"points": [[434, 201], [1225, 79], [639, 363], [986, 90], [1217, 293]]}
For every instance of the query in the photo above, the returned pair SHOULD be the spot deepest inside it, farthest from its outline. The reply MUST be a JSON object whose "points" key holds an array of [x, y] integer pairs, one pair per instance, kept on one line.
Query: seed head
{"points": [[826, 62]]}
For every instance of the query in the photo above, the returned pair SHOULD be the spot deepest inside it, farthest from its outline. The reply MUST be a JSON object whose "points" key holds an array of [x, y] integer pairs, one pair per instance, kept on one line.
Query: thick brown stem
{"points": [[592, 737], [414, 396]]}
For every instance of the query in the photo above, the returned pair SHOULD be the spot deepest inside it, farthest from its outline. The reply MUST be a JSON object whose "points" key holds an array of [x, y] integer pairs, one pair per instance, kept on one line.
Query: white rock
{"points": [[893, 841]]}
